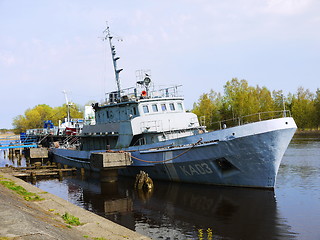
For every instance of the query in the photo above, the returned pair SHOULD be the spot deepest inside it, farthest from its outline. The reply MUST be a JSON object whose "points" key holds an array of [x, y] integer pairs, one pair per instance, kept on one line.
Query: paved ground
{"points": [[21, 219]]}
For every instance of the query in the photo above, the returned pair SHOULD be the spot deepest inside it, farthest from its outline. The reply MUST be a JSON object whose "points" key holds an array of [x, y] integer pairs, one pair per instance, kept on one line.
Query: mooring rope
{"points": [[179, 155]]}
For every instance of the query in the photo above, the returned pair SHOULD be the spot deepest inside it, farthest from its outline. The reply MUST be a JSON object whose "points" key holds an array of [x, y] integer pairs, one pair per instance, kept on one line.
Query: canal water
{"points": [[188, 211]]}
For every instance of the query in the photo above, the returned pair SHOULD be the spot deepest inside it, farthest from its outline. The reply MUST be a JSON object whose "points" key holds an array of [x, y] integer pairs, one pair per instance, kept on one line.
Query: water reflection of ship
{"points": [[229, 212], [110, 200]]}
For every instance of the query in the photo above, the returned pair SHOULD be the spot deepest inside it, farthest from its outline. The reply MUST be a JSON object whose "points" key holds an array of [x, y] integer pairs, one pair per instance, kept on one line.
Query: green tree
{"points": [[240, 100], [278, 99], [317, 108], [35, 117], [20, 124], [61, 113], [208, 107], [265, 100], [303, 108]]}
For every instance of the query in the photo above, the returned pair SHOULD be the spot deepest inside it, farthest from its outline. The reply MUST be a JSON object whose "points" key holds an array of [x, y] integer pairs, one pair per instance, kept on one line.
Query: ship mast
{"points": [[68, 105], [114, 60]]}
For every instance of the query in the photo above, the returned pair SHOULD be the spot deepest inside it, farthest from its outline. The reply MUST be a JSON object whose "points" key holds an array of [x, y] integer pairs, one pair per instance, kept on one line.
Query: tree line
{"points": [[240, 99], [213, 108], [35, 117]]}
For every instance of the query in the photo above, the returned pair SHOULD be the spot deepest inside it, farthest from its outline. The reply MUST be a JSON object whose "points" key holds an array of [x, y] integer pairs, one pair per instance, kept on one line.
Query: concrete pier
{"points": [[38, 153], [21, 219], [108, 163], [110, 159]]}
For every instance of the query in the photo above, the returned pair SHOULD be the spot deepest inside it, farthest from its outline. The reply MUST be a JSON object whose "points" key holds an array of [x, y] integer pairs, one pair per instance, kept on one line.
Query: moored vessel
{"points": [[169, 143]]}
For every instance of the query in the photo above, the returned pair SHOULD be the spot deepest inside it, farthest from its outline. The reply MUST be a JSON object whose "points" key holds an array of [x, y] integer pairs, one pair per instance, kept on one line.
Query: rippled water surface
{"points": [[188, 211]]}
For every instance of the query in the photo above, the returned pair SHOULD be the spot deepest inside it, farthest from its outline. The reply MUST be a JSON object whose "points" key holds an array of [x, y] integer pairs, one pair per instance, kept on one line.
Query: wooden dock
{"points": [[38, 171]]}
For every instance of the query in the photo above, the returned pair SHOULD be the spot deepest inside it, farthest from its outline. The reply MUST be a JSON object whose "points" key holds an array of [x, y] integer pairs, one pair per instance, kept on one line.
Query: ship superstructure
{"points": [[139, 115]]}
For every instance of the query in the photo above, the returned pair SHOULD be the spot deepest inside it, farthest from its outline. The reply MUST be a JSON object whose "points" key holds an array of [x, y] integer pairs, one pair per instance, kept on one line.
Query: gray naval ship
{"points": [[169, 143]]}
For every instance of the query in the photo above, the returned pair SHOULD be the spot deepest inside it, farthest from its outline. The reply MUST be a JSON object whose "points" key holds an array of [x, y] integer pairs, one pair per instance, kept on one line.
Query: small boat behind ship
{"points": [[169, 143]]}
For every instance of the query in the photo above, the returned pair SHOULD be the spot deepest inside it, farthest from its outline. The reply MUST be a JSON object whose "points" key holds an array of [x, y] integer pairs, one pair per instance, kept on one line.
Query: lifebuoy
{"points": [[143, 93]]}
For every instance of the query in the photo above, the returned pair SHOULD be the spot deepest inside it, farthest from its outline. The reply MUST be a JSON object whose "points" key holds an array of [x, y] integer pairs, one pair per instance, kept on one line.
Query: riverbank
{"points": [[311, 133], [9, 133], [43, 219]]}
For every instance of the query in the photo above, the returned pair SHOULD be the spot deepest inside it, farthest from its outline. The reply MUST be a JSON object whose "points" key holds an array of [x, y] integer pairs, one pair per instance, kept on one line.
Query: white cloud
{"points": [[7, 59], [288, 7]]}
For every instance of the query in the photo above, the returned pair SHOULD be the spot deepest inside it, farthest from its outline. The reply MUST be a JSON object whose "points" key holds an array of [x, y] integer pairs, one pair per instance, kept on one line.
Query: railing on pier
{"points": [[238, 121], [16, 142]]}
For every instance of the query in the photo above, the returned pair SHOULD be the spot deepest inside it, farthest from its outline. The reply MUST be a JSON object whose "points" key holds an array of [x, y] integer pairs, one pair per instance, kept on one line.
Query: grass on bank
{"points": [[28, 196], [70, 219]]}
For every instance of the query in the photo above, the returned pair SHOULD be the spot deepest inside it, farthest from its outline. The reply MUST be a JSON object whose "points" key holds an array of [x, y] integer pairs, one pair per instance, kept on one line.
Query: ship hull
{"points": [[246, 156]]}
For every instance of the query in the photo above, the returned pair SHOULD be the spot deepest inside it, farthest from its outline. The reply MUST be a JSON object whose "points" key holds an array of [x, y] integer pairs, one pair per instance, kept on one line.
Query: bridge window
{"points": [[180, 108], [145, 109], [134, 111], [171, 105], [163, 107], [154, 108]]}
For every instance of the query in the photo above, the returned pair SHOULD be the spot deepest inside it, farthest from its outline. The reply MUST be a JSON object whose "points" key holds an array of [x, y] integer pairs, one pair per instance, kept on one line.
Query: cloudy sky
{"points": [[50, 46]]}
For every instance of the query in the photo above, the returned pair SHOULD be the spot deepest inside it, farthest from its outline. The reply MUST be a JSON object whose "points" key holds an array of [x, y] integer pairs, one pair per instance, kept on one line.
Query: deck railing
{"points": [[238, 121]]}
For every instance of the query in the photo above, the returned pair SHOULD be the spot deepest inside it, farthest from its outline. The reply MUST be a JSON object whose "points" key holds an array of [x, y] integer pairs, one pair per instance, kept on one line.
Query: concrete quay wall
{"points": [[21, 219]]}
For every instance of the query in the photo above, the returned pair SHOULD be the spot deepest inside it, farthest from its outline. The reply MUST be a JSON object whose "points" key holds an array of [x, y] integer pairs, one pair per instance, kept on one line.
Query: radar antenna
{"points": [[114, 59]]}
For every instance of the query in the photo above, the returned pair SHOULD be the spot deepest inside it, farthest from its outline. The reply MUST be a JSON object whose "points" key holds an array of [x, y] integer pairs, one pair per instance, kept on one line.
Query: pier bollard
{"points": [[33, 177], [10, 156], [37, 165], [60, 174], [17, 152]]}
